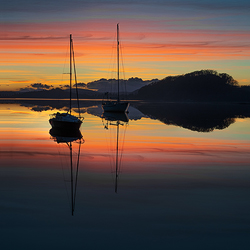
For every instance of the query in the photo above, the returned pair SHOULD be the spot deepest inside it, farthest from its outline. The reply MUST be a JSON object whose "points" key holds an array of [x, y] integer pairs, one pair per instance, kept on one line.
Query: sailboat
{"points": [[68, 137], [67, 121], [117, 105], [116, 120]]}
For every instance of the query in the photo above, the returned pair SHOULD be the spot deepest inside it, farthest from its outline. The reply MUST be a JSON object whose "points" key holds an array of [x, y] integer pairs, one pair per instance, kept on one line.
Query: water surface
{"points": [[183, 182]]}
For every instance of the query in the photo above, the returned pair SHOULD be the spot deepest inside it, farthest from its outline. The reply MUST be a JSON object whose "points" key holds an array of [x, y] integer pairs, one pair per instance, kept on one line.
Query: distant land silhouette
{"points": [[55, 93], [130, 85], [197, 86], [91, 90]]}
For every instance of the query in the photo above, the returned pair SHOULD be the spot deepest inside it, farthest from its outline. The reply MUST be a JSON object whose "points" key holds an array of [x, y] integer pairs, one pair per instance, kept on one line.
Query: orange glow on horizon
{"points": [[40, 50], [175, 153], [147, 143]]}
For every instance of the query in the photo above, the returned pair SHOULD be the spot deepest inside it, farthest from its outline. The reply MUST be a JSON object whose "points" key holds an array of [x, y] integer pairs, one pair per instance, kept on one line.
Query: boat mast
{"points": [[118, 52], [74, 71], [70, 72]]}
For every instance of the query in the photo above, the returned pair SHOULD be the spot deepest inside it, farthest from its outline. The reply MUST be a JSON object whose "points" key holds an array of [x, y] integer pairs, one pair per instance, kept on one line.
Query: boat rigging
{"points": [[68, 121], [118, 105]]}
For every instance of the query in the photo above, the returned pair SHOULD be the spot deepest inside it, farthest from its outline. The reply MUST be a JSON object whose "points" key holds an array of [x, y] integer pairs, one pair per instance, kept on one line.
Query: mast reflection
{"points": [[115, 120], [68, 138]]}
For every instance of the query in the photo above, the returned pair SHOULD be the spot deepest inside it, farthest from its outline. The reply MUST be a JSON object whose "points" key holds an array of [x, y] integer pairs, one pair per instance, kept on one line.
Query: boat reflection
{"points": [[113, 122], [69, 137]]}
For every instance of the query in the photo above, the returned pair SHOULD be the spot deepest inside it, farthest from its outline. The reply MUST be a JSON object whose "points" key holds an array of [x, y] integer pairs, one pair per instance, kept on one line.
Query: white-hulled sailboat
{"points": [[118, 105], [66, 121]]}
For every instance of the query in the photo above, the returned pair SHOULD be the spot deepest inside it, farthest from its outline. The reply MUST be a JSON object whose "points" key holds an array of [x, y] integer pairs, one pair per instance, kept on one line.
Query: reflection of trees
{"points": [[209, 126], [202, 117], [195, 116]]}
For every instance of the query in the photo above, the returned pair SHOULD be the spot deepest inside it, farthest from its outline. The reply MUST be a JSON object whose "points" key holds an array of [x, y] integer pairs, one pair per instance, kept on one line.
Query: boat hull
{"points": [[65, 121], [115, 106], [64, 124]]}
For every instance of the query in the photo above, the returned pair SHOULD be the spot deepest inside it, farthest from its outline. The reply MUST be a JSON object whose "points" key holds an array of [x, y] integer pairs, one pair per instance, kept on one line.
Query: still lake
{"points": [[182, 181]]}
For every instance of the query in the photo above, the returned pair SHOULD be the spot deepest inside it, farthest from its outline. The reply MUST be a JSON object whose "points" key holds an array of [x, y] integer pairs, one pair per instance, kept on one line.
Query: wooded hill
{"points": [[203, 85]]}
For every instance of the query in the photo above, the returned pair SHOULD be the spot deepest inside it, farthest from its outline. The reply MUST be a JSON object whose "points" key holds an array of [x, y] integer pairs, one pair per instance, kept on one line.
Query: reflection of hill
{"points": [[43, 105], [193, 116], [202, 117]]}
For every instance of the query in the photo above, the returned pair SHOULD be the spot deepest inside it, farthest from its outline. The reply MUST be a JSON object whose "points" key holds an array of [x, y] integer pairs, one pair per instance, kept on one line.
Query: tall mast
{"points": [[70, 72], [118, 45]]}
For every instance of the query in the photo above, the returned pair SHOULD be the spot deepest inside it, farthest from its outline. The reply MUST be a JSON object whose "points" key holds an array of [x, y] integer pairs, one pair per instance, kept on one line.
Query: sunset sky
{"points": [[159, 38]]}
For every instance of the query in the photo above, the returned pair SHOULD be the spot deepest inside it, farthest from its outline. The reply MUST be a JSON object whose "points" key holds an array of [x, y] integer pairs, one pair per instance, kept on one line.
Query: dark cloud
{"points": [[36, 87], [65, 86], [27, 153], [33, 38], [81, 85], [40, 86]]}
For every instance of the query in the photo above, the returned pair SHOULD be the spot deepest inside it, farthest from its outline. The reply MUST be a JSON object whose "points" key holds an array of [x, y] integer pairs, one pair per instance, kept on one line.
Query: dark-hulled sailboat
{"points": [[67, 121]]}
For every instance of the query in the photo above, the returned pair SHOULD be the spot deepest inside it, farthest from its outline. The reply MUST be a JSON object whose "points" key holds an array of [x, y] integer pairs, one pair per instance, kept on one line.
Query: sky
{"points": [[159, 38]]}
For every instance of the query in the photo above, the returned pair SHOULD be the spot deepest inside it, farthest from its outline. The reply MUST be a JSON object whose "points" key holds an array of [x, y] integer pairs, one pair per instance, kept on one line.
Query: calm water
{"points": [[183, 178]]}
